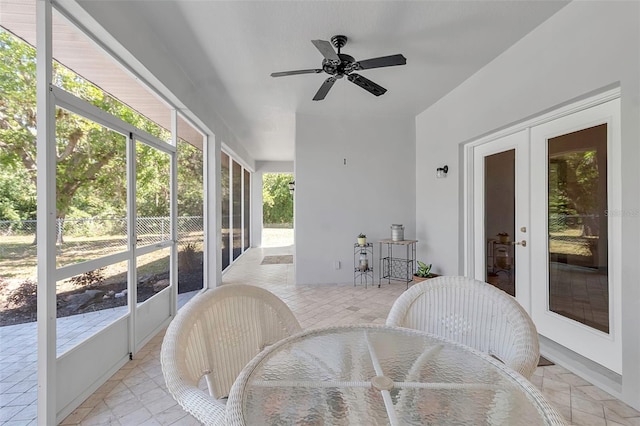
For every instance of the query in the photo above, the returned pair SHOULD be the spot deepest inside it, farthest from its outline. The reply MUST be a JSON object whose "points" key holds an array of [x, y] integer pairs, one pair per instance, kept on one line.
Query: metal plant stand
{"points": [[363, 264], [394, 266]]}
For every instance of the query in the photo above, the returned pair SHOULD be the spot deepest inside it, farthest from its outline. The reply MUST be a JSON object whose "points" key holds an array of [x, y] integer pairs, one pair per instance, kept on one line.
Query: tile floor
{"points": [[18, 359], [136, 395]]}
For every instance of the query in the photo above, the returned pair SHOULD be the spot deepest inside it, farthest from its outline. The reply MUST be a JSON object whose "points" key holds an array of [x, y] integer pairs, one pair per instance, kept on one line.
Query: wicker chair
{"points": [[214, 336], [473, 313]]}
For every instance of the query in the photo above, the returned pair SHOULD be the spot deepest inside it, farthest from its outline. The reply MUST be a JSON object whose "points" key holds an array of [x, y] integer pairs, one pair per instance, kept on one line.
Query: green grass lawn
{"points": [[571, 242], [18, 255]]}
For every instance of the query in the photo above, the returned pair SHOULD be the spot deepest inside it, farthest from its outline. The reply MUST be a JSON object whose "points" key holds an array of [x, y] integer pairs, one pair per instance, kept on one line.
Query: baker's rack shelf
{"points": [[396, 266]]}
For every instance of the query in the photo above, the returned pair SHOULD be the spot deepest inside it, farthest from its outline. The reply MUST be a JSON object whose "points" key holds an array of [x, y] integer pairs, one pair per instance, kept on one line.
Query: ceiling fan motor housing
{"points": [[347, 64]]}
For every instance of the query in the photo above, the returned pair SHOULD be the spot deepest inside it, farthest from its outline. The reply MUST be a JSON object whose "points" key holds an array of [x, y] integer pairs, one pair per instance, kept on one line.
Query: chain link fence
{"points": [[10, 228], [108, 233]]}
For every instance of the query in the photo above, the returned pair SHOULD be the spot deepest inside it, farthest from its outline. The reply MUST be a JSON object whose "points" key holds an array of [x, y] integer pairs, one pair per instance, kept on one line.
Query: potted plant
{"points": [[503, 237], [362, 239], [423, 272]]}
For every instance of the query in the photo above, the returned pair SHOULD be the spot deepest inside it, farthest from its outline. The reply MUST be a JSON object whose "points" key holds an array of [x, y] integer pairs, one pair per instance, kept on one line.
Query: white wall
{"points": [[263, 167], [584, 47], [334, 202]]}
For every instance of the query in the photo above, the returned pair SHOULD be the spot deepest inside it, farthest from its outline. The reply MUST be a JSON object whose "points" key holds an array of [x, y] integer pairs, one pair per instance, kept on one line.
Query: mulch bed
{"points": [[26, 312]]}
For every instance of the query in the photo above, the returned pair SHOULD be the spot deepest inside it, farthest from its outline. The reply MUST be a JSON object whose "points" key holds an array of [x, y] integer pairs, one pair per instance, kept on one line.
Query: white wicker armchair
{"points": [[215, 335], [473, 313]]}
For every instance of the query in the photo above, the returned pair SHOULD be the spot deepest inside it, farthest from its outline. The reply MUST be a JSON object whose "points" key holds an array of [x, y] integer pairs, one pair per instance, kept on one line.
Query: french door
{"points": [[501, 218], [575, 194], [546, 226]]}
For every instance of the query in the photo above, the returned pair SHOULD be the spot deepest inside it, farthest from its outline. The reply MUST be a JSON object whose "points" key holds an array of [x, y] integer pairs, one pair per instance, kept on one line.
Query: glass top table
{"points": [[378, 375]]}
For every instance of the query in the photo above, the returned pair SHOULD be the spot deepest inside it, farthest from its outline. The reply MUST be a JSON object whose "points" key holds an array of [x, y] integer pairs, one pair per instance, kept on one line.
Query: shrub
{"points": [[188, 258], [25, 296]]}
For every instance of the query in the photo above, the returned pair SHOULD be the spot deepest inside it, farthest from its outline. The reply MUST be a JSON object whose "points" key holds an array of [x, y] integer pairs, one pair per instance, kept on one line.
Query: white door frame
{"points": [[519, 142], [469, 198], [603, 348]]}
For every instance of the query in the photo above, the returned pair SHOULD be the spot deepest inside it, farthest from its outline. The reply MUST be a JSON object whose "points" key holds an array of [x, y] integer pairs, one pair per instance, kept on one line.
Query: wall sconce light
{"points": [[441, 172], [292, 186]]}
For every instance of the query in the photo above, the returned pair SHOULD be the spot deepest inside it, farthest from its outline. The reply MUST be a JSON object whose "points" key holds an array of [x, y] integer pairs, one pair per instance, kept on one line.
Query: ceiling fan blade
{"points": [[324, 89], [284, 73], [326, 49], [383, 61], [366, 84]]}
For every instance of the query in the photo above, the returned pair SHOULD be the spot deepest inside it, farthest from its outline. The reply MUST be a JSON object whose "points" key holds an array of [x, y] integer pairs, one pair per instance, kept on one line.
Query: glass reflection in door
{"points": [[499, 202], [577, 194]]}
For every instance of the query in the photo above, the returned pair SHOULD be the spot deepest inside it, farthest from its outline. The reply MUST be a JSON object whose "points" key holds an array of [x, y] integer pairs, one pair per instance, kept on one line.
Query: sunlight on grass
{"points": [[18, 255], [571, 241]]}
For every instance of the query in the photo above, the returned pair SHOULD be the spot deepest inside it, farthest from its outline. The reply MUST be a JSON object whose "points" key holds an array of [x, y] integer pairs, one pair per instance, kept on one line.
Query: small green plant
{"points": [[424, 270], [361, 235]]}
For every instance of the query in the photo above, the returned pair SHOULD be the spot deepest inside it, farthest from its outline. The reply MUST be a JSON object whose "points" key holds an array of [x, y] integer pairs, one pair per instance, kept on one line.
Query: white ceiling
{"points": [[228, 49]]}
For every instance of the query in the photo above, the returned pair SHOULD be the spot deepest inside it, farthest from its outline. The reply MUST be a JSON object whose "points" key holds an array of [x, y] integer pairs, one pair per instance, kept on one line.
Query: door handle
{"points": [[522, 243]]}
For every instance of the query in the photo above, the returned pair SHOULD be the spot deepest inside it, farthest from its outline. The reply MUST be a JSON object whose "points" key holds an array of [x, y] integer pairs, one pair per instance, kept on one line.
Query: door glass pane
{"points": [[247, 208], [226, 220], [500, 208], [578, 266], [237, 210]]}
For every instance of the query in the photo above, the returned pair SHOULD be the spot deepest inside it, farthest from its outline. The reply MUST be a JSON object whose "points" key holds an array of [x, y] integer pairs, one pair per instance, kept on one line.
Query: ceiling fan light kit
{"points": [[339, 65]]}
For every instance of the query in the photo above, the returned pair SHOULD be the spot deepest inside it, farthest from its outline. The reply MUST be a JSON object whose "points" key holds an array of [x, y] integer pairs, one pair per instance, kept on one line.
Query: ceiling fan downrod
{"points": [[339, 41]]}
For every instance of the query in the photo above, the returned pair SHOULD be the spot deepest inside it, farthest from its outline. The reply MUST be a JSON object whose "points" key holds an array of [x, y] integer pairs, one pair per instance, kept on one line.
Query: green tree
{"points": [[190, 180], [573, 188], [90, 160], [152, 183], [17, 105], [277, 201], [17, 195]]}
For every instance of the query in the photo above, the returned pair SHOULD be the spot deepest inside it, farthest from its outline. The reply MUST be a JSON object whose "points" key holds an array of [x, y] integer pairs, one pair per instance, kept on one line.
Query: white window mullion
{"points": [[132, 233], [81, 107], [173, 215], [74, 269], [242, 207], [212, 212], [247, 186], [46, 214], [154, 142], [231, 224]]}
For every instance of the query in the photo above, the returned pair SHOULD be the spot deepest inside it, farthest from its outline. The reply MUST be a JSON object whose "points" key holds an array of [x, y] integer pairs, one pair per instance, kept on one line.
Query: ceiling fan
{"points": [[338, 65]]}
